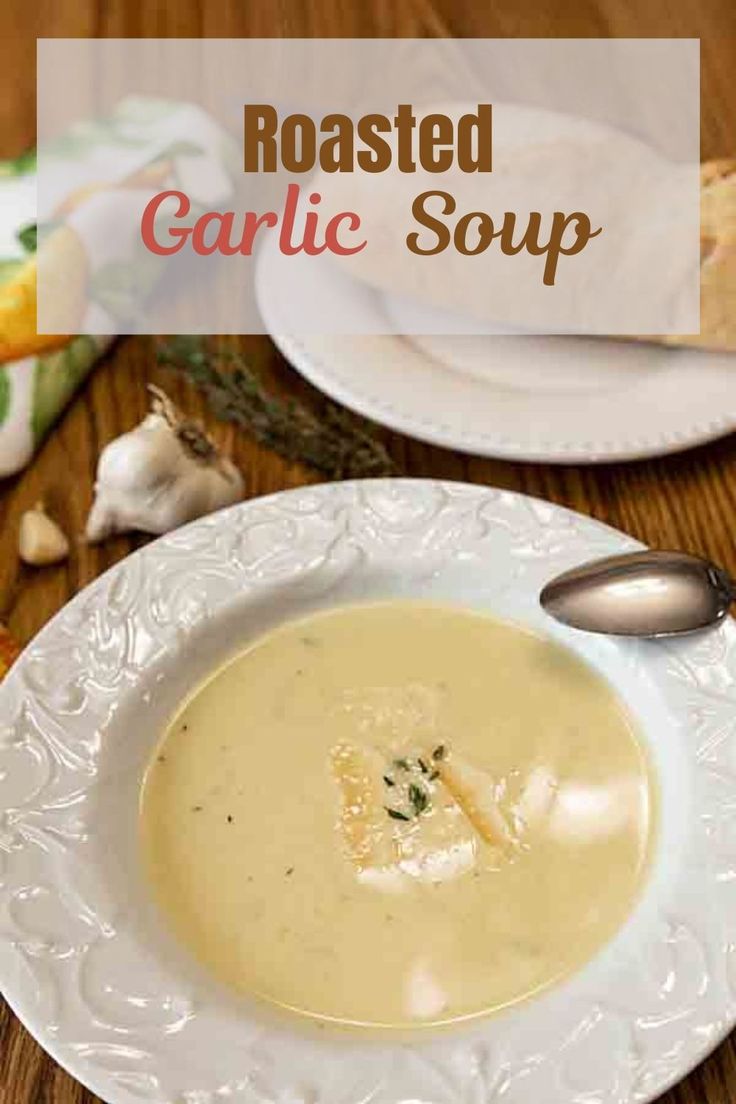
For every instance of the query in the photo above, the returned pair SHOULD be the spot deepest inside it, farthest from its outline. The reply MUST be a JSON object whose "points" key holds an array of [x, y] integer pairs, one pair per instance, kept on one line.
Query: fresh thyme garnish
{"points": [[418, 797], [396, 814], [334, 441]]}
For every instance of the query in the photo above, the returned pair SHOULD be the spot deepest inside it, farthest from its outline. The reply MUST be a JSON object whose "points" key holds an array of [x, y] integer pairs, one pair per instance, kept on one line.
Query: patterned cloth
{"points": [[149, 145]]}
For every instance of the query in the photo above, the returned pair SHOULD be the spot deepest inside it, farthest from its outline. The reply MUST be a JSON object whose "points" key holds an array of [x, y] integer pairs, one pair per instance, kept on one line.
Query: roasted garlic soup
{"points": [[397, 814]]}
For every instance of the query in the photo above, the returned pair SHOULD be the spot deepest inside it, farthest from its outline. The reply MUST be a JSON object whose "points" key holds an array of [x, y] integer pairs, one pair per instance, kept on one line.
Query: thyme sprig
{"points": [[396, 814], [415, 785], [336, 443], [418, 797]]}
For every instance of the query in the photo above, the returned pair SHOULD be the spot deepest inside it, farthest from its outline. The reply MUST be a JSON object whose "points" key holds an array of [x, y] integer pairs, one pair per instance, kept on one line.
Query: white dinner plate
{"points": [[558, 399], [90, 967]]}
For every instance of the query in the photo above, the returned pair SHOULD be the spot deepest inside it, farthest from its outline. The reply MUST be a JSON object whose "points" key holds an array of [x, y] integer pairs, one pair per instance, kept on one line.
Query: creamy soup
{"points": [[397, 814]]}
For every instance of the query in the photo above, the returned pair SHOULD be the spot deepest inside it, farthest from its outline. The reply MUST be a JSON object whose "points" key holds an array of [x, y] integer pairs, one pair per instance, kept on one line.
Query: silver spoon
{"points": [[641, 594]]}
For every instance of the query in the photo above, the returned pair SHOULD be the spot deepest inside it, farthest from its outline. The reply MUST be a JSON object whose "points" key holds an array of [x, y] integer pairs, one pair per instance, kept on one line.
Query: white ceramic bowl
{"points": [[85, 959]]}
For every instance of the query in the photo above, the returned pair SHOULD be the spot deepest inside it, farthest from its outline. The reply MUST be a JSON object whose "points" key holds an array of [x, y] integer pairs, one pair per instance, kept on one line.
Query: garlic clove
{"points": [[40, 540]]}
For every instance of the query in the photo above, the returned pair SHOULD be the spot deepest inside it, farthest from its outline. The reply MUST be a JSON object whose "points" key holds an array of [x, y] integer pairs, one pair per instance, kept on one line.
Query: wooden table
{"points": [[686, 501]]}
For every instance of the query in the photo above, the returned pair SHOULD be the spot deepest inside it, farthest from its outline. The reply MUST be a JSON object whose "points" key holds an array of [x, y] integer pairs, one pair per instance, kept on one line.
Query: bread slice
{"points": [[717, 260], [357, 770], [473, 790]]}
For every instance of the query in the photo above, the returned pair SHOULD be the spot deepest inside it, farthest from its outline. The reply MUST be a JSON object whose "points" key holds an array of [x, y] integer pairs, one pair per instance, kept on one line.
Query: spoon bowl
{"points": [[649, 594]]}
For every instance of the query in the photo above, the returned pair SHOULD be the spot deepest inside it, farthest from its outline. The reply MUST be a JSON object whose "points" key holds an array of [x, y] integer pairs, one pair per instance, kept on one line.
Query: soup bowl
{"points": [[87, 960]]}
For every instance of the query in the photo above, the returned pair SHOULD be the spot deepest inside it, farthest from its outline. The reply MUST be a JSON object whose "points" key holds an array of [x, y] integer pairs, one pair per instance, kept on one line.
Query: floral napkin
{"points": [[145, 146]]}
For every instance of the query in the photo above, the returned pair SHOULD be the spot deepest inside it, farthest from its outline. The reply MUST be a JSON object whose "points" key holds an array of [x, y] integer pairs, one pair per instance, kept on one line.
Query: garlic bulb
{"points": [[40, 540], [161, 474]]}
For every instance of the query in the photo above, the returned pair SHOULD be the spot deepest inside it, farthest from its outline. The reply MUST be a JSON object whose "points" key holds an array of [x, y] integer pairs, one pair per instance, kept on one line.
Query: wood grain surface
{"points": [[686, 501]]}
